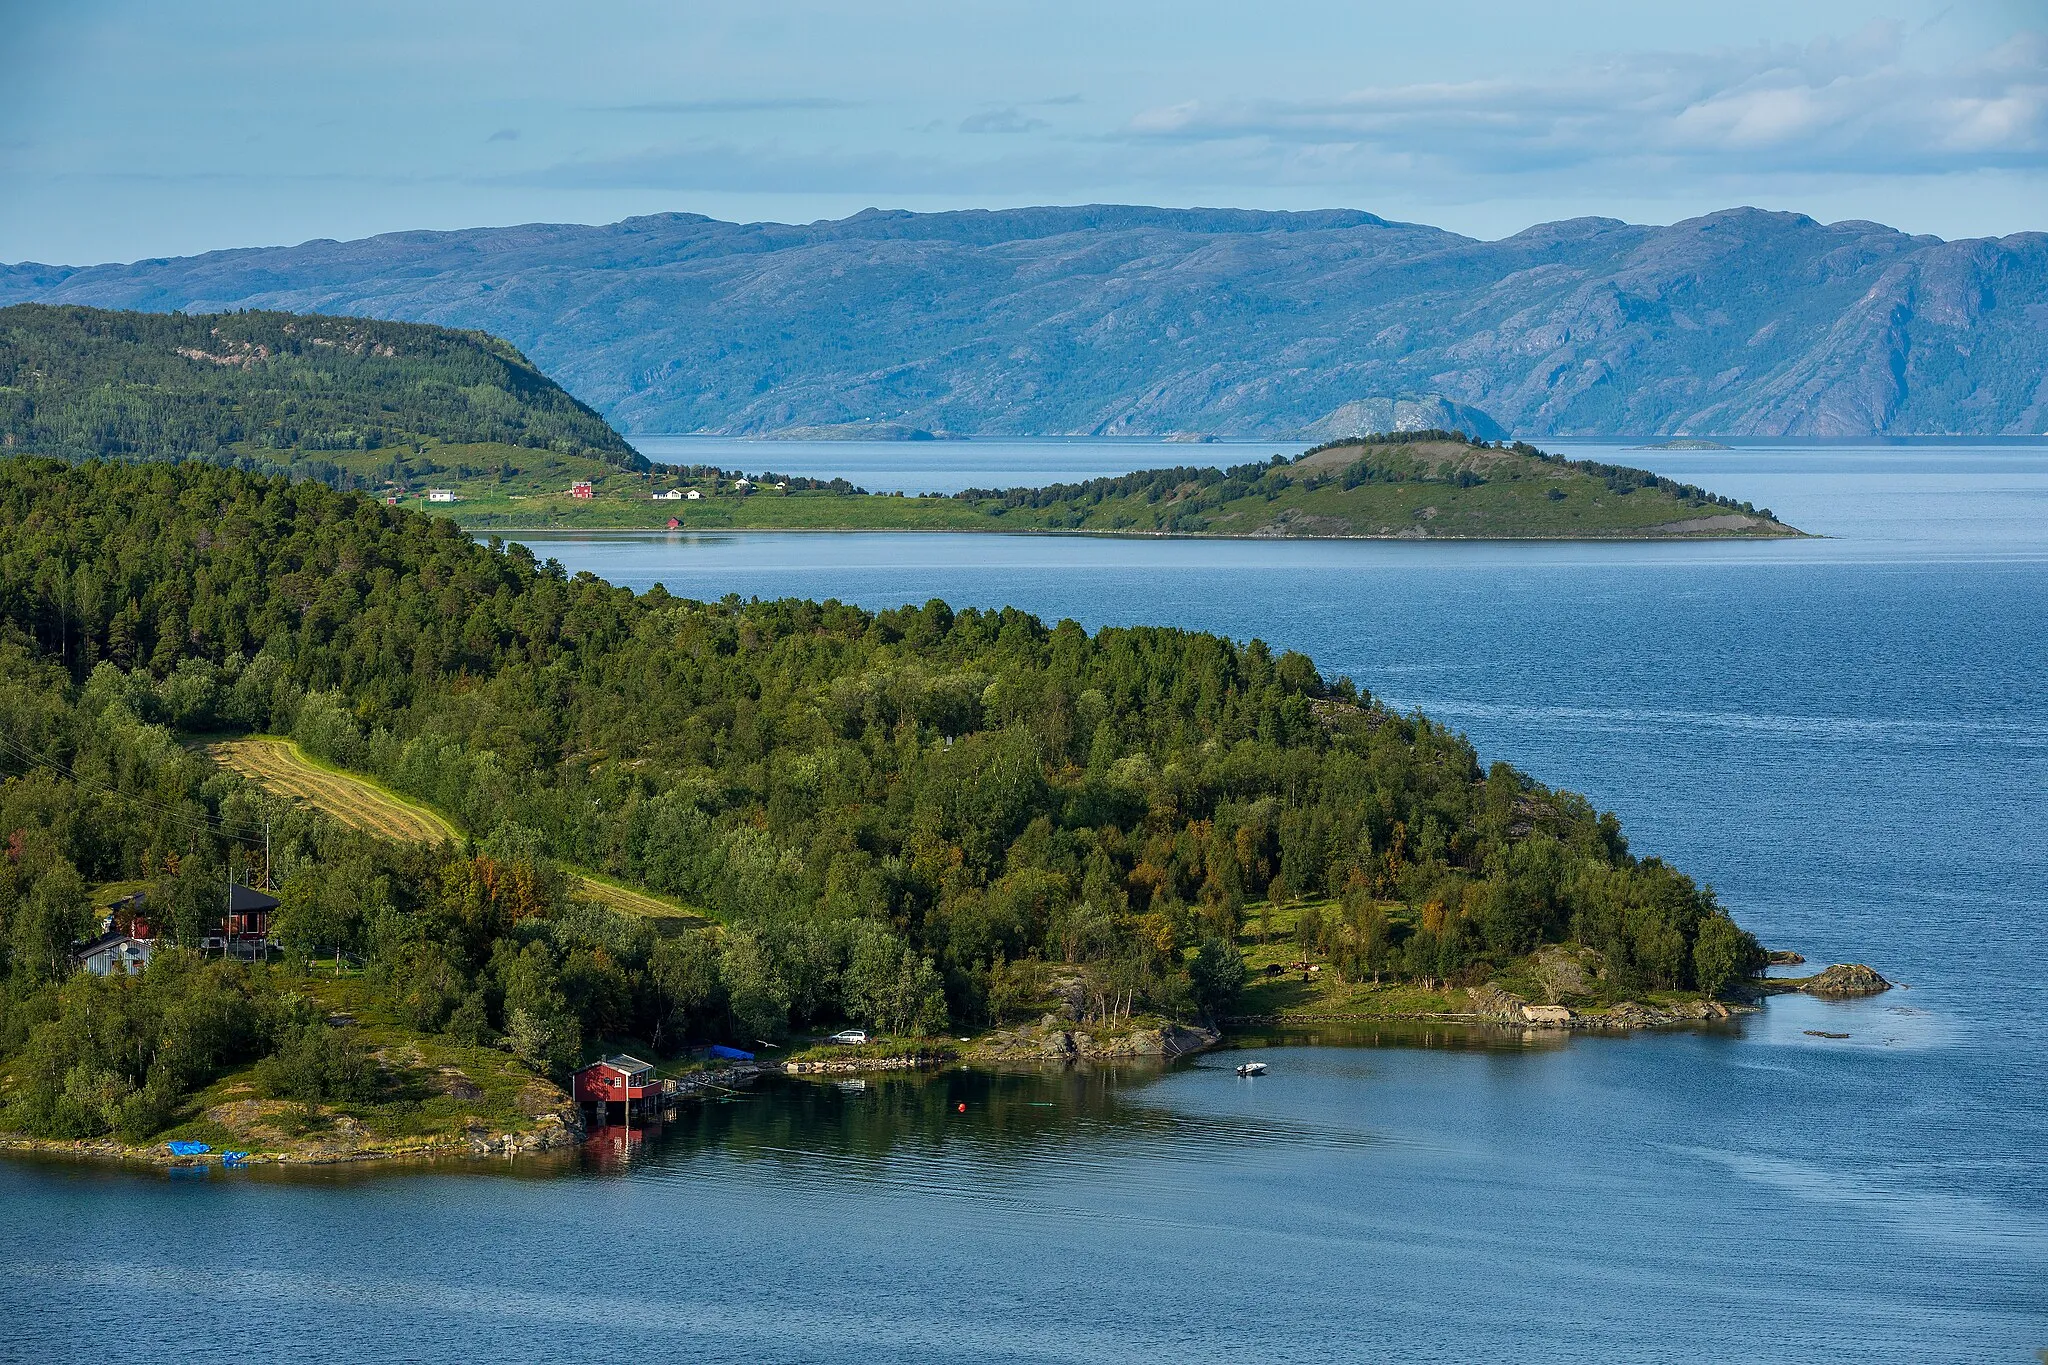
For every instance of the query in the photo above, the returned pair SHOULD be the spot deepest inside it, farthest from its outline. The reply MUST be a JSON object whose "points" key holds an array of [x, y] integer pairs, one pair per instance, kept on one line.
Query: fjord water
{"points": [[1848, 737]]}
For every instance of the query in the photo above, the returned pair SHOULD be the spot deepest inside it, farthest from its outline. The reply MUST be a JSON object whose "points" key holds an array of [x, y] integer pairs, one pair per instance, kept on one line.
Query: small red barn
{"points": [[625, 1081], [582, 489]]}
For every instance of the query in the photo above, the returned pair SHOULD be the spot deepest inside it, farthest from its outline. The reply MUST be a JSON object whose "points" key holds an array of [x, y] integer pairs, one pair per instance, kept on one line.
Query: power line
{"points": [[233, 829]]}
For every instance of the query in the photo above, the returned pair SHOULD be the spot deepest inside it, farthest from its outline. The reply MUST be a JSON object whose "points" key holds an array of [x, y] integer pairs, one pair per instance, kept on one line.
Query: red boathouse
{"points": [[624, 1081]]}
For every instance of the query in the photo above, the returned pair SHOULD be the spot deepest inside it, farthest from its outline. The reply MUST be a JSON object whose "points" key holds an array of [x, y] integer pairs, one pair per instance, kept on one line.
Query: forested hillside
{"points": [[914, 818], [263, 391], [1122, 320]]}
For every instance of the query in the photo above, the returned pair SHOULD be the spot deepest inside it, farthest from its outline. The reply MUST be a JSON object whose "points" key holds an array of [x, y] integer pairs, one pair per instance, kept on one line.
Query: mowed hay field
{"points": [[279, 766]]}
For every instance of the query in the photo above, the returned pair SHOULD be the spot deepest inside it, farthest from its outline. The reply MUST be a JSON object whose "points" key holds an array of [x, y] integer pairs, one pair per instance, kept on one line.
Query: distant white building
{"points": [[114, 954], [694, 496], [673, 495], [440, 495], [743, 484]]}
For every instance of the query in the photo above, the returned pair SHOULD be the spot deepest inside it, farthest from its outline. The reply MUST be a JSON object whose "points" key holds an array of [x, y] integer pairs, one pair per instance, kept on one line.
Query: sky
{"points": [[130, 130]]}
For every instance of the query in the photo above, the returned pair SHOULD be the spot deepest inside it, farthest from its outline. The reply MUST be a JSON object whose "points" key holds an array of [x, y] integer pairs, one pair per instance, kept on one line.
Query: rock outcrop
{"points": [[1847, 979], [1054, 1039], [1493, 1005]]}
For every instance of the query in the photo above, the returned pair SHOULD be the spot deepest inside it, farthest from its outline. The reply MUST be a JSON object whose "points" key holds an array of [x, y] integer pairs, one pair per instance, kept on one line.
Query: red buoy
{"points": [[963, 1108]]}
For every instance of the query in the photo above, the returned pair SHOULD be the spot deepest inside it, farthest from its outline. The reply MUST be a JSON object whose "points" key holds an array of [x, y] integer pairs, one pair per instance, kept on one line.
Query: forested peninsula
{"points": [[461, 424], [922, 821]]}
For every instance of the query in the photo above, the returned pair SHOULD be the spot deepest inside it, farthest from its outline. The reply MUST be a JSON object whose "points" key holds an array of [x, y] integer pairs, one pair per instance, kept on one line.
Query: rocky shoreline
{"points": [[1490, 1005], [1052, 1040], [557, 1126], [552, 1134]]}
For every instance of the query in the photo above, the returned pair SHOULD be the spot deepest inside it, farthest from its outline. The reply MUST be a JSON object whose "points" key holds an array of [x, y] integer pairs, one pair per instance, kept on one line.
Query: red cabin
{"points": [[625, 1081], [582, 489], [248, 914]]}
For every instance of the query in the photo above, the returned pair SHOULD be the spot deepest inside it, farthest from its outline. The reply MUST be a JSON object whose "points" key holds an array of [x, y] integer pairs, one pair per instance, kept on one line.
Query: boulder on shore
{"points": [[1847, 978]]}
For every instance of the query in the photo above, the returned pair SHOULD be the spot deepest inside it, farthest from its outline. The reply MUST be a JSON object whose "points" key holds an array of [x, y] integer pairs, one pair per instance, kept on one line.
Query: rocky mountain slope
{"points": [[1120, 320]]}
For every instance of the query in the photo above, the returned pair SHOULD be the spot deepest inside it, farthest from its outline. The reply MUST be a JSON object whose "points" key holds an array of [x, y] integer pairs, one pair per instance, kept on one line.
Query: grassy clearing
{"points": [[670, 917], [280, 766]]}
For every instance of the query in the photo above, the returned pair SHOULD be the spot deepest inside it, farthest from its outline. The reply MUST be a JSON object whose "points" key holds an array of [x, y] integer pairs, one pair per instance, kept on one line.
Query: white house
{"points": [[673, 495], [440, 495], [694, 496], [114, 954], [743, 485]]}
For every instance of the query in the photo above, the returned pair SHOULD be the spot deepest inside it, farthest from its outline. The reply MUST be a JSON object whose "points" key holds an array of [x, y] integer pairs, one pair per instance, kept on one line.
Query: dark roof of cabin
{"points": [[243, 899]]}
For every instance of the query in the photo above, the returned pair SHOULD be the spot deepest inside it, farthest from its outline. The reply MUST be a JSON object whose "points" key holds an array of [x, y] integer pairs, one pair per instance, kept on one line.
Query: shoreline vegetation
{"points": [[261, 1134], [461, 425]]}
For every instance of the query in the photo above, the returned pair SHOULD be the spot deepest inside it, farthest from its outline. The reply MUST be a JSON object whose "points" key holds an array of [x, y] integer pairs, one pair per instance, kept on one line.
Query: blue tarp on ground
{"points": [[721, 1052], [188, 1148]]}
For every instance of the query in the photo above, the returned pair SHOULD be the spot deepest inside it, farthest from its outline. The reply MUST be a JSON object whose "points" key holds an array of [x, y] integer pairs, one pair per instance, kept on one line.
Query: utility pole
{"points": [[266, 854]]}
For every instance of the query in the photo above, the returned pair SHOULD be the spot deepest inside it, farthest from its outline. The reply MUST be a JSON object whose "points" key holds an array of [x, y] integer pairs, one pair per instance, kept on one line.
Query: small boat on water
{"points": [[1252, 1069]]}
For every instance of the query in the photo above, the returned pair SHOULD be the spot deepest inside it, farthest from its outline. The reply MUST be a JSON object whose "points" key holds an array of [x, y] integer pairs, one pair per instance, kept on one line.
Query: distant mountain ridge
{"points": [[1117, 320]]}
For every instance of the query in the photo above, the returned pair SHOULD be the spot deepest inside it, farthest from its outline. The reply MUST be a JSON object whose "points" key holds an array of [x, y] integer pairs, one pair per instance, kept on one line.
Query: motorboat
{"points": [[1251, 1069]]}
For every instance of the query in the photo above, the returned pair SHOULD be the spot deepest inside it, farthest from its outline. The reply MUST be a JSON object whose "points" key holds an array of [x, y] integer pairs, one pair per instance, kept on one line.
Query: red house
{"points": [[248, 914], [245, 927], [625, 1081], [582, 489]]}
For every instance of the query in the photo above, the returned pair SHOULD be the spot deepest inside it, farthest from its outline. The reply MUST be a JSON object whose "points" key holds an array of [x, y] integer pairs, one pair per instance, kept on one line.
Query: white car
{"points": [[852, 1037]]}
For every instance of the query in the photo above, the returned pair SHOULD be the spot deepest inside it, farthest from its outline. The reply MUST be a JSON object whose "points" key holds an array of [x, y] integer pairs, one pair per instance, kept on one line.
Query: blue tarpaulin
{"points": [[188, 1148], [721, 1052]]}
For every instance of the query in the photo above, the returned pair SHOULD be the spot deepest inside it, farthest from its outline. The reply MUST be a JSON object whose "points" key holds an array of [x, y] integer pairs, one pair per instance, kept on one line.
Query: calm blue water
{"points": [[1848, 737]]}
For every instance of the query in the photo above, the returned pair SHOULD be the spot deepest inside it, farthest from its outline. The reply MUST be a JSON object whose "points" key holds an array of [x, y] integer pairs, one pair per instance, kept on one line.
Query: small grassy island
{"points": [[513, 819], [1426, 485], [461, 425]]}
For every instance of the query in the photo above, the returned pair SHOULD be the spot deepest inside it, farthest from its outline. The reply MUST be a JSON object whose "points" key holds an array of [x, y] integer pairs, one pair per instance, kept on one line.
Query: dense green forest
{"points": [[917, 818], [273, 391]]}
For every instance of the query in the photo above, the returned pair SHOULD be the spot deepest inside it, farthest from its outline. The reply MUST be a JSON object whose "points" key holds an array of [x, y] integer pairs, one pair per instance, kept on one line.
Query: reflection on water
{"points": [[1460, 1193]]}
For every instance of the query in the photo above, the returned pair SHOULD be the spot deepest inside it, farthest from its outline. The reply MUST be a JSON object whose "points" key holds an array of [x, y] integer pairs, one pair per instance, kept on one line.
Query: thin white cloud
{"points": [[1732, 126], [1843, 106], [1001, 121]]}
